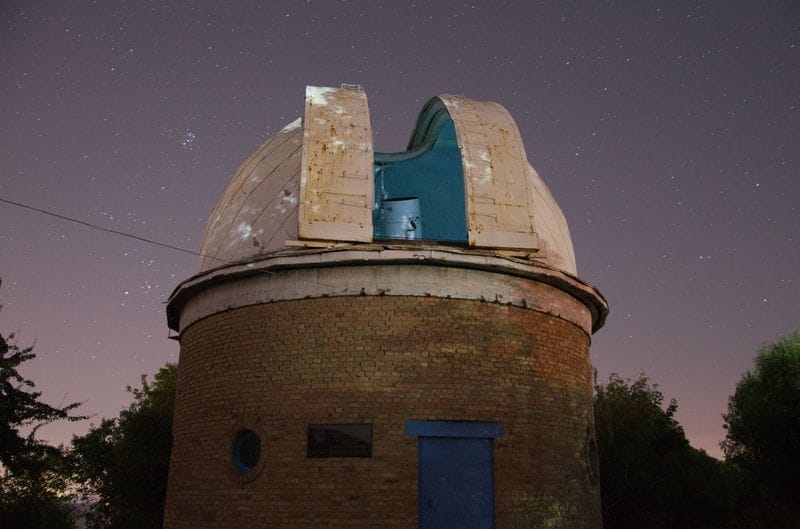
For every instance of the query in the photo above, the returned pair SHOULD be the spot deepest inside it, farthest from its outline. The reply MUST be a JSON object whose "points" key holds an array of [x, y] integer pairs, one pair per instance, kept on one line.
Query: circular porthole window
{"points": [[246, 451]]}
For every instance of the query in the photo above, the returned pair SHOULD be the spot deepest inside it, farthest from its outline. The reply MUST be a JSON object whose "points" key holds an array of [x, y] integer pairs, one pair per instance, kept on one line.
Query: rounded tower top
{"points": [[460, 214], [464, 182]]}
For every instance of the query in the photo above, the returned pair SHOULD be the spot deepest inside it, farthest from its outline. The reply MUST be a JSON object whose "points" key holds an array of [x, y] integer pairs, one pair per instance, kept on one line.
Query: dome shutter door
{"points": [[499, 211], [336, 178]]}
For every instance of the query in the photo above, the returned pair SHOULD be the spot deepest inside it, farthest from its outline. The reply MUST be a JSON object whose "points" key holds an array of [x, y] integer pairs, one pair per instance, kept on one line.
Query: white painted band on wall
{"points": [[387, 272]]}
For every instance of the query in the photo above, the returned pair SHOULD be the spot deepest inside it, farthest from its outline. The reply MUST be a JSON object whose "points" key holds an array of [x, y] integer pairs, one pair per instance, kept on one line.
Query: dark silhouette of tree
{"points": [[650, 477], [763, 434], [36, 500], [20, 407], [124, 461], [31, 482]]}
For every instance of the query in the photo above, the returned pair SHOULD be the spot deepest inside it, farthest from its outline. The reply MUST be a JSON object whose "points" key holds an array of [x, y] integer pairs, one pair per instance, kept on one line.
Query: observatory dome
{"points": [[381, 337], [464, 182]]}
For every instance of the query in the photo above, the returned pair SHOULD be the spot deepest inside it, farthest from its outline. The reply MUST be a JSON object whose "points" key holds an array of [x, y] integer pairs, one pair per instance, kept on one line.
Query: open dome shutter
{"points": [[336, 178], [495, 170]]}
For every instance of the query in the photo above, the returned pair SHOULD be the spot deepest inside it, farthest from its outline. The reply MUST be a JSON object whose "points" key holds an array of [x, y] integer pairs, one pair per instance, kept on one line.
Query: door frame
{"points": [[454, 430]]}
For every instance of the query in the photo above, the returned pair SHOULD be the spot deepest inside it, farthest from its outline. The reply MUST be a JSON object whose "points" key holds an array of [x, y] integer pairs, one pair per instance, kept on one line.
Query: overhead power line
{"points": [[109, 230], [136, 237]]}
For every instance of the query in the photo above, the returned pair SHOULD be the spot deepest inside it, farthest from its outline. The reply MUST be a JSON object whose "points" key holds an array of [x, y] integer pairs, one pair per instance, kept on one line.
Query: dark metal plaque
{"points": [[339, 440]]}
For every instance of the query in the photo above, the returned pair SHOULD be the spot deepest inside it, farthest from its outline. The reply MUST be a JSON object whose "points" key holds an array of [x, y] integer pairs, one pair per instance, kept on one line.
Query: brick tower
{"points": [[385, 339]]}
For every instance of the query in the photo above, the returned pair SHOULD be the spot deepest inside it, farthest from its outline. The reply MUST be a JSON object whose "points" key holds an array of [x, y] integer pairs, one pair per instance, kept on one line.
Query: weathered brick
{"points": [[277, 367]]}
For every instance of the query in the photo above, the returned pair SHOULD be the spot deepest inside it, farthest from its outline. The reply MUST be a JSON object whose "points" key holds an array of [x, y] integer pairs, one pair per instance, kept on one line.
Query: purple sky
{"points": [[668, 132]]}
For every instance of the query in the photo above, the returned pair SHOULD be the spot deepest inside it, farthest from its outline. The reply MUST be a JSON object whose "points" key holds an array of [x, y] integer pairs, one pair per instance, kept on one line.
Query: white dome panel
{"points": [[257, 212]]}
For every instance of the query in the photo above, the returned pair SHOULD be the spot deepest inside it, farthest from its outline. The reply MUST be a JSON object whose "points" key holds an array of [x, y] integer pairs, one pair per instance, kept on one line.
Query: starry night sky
{"points": [[667, 131]]}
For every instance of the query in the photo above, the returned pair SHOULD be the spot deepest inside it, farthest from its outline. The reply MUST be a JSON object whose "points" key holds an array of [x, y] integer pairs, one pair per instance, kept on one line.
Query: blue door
{"points": [[456, 486]]}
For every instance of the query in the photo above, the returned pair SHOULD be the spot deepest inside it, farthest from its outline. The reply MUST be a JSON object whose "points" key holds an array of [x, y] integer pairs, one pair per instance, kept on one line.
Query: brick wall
{"points": [[276, 368]]}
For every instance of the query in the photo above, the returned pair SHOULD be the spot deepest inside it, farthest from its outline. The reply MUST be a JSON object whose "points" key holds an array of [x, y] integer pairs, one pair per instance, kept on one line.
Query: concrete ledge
{"points": [[392, 271]]}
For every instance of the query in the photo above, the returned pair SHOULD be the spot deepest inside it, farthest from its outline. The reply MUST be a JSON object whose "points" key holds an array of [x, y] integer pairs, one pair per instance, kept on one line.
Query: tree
{"points": [[31, 484], [763, 432], [21, 408], [649, 474], [38, 500], [124, 461]]}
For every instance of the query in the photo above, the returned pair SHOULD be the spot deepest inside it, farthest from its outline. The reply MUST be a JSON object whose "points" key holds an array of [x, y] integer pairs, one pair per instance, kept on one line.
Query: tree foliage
{"points": [[124, 461], [649, 474], [37, 500], [763, 431], [20, 407], [32, 484]]}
